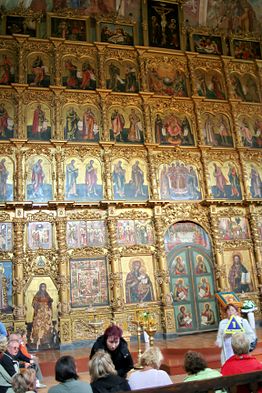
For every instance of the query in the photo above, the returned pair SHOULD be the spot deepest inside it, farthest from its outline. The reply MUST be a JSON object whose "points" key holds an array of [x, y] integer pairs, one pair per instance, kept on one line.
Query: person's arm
{"points": [[128, 364], [22, 358], [248, 330], [8, 365], [24, 351], [220, 335]]}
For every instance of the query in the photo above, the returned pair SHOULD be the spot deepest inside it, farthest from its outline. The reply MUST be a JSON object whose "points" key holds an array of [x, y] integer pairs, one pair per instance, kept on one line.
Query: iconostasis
{"points": [[130, 179]]}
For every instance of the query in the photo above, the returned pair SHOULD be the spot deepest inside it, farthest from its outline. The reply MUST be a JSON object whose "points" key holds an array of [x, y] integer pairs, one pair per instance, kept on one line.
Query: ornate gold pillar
{"points": [[116, 301], [21, 39], [56, 115], [62, 280], [147, 118], [101, 48], [162, 275], [18, 278], [230, 92], [57, 51], [107, 150], [152, 174], [142, 67], [104, 121], [254, 215]]}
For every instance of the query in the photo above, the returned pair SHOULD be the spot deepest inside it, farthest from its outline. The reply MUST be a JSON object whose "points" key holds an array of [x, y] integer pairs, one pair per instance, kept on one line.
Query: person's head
{"points": [[23, 334], [112, 336], [182, 309], [3, 343], [101, 365], [24, 381], [42, 287], [231, 309], [152, 357], [13, 347], [65, 369], [240, 344], [194, 362], [237, 259]]}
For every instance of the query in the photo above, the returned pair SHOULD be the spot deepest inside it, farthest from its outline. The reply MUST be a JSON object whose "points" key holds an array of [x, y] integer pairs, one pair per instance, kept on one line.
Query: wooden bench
{"points": [[252, 380]]}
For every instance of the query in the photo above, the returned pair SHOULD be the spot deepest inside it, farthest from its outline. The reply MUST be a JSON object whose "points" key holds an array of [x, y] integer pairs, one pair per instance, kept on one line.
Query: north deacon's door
{"points": [[188, 251]]}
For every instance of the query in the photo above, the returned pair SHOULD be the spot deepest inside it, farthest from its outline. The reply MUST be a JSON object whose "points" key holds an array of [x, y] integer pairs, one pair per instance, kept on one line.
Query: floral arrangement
{"points": [[248, 305]]}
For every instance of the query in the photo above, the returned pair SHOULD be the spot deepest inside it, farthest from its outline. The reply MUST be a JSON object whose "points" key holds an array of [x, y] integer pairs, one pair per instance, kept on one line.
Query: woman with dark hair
{"points": [[223, 340], [65, 373], [113, 343], [196, 367]]}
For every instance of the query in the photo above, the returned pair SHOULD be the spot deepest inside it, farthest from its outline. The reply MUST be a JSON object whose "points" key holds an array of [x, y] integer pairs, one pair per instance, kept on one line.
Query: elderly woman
{"points": [[104, 378], [65, 373], [150, 376], [241, 362], [223, 340], [196, 367], [8, 365], [113, 343], [25, 382]]}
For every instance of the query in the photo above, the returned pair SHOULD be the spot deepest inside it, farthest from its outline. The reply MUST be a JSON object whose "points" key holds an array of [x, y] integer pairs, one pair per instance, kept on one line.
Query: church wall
{"points": [[81, 162]]}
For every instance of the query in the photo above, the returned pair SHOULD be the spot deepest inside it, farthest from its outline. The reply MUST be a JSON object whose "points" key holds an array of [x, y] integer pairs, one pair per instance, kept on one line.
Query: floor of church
{"points": [[173, 351]]}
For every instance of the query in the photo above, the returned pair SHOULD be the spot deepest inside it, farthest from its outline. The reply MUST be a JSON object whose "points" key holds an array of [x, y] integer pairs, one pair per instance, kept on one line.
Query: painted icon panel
{"points": [[126, 126], [38, 72], [254, 180], [245, 87], [86, 234], [81, 124], [7, 125], [39, 180], [6, 300], [122, 77], [39, 235], [250, 130], [130, 232], [217, 130], [206, 44], [239, 271], [38, 122], [173, 130], [6, 236], [6, 179], [165, 79], [208, 314], [179, 181], [129, 180], [7, 68], [83, 179], [116, 33], [79, 73], [138, 279], [88, 279], [233, 228], [224, 180]]}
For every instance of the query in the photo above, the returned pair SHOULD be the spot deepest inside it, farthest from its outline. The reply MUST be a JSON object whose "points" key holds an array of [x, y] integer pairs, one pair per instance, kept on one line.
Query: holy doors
{"points": [[190, 266]]}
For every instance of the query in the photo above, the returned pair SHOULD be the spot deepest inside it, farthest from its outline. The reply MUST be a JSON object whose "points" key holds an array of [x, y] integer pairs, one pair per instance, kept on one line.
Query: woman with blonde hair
{"points": [[150, 376], [104, 378], [24, 382]]}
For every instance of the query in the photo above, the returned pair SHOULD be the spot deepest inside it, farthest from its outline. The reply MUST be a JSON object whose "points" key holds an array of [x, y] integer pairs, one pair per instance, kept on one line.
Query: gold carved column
{"points": [[255, 215], [147, 118], [101, 65], [107, 153], [162, 275], [18, 278], [117, 302], [63, 279]]}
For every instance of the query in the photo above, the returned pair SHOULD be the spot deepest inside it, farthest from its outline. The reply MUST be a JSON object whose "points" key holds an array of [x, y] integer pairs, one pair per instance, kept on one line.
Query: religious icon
{"points": [[6, 121], [225, 181], [89, 284], [200, 266], [207, 44], [179, 182], [83, 179], [173, 130], [86, 234], [131, 232], [21, 25], [123, 130], [210, 85], [181, 291], [251, 131], [246, 50], [204, 288], [39, 128], [6, 179], [7, 70], [6, 287], [207, 315], [38, 71], [217, 130], [6, 236], [129, 180], [239, 277], [138, 285], [68, 28], [184, 317], [40, 235], [233, 228], [79, 75], [255, 181], [245, 87], [122, 78], [39, 186], [165, 79], [122, 34], [72, 124], [163, 24], [179, 267], [185, 232]]}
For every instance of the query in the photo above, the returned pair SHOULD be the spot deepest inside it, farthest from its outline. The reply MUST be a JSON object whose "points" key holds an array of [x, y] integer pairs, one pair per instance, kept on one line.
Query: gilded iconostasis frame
{"points": [[108, 149]]}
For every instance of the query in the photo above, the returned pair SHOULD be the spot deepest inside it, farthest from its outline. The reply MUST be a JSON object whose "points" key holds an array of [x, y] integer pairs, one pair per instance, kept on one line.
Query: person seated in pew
{"points": [[196, 367], [150, 376], [241, 362]]}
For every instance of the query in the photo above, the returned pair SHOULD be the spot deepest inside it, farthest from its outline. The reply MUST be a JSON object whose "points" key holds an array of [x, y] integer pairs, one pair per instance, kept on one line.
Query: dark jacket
{"points": [[121, 356], [110, 384]]}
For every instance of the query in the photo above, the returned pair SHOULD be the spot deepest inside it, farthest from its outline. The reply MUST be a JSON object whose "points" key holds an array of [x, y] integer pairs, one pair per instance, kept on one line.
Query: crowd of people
{"points": [[111, 366]]}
